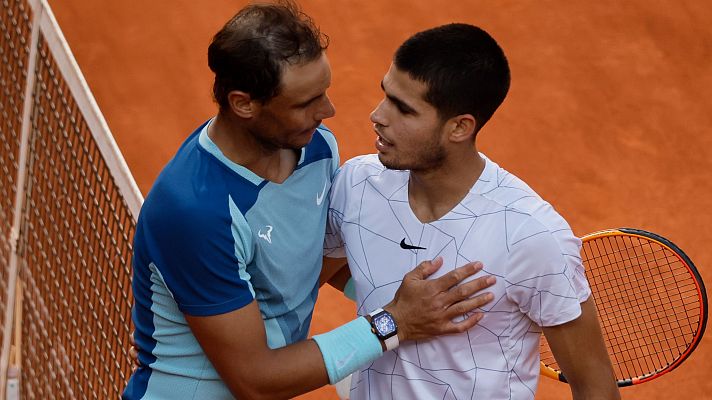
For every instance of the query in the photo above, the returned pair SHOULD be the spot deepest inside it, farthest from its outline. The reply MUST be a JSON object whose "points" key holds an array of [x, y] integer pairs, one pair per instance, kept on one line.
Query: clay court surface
{"points": [[609, 116]]}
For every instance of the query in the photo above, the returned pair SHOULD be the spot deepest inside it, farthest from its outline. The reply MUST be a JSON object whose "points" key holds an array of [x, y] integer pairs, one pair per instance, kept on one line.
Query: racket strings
{"points": [[652, 332], [647, 303]]}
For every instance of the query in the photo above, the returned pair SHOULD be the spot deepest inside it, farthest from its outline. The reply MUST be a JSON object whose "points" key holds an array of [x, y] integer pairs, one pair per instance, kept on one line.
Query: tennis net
{"points": [[68, 206]]}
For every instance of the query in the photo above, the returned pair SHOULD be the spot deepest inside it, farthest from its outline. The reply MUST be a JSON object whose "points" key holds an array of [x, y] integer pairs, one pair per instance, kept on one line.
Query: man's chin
{"points": [[390, 164], [299, 142]]}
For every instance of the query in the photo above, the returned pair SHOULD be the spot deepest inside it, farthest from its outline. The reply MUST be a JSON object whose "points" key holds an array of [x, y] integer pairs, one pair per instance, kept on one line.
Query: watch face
{"points": [[384, 324]]}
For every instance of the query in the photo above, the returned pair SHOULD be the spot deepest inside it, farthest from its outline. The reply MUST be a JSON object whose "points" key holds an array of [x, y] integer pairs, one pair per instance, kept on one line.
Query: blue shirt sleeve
{"points": [[199, 248]]}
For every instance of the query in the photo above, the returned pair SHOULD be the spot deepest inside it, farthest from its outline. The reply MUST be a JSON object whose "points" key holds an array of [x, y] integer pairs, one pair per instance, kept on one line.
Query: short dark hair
{"points": [[463, 66], [250, 51]]}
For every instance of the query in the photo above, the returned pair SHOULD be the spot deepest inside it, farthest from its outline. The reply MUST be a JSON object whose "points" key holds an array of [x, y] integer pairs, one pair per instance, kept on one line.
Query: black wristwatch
{"points": [[385, 328]]}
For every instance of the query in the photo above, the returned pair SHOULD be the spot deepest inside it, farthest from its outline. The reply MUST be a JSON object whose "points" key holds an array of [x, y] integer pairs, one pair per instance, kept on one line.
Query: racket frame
{"points": [[552, 373]]}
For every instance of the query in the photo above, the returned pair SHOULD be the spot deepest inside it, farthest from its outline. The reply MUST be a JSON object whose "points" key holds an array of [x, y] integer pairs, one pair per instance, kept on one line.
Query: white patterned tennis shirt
{"points": [[502, 222]]}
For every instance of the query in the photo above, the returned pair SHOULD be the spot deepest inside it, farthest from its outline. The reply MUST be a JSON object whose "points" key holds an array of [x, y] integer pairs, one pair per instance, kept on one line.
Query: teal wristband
{"points": [[347, 348], [350, 289]]}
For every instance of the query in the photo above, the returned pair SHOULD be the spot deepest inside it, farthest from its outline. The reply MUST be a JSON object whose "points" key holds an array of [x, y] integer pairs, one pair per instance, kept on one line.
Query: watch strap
{"points": [[374, 312], [392, 342]]}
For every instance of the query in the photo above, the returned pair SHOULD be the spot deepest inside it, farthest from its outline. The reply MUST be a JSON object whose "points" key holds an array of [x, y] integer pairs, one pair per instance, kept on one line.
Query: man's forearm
{"points": [[580, 351], [235, 342], [284, 373]]}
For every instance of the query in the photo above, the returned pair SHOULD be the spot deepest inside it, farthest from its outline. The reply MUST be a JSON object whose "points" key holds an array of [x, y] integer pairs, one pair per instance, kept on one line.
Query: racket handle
{"points": [[550, 373]]}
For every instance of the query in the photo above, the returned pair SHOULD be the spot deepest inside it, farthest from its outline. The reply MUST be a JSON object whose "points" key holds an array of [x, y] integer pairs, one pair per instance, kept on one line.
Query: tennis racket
{"points": [[651, 304]]}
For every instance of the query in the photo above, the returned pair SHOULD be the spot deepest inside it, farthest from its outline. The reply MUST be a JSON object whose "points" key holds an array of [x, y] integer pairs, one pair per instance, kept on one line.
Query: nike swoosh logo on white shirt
{"points": [[320, 196]]}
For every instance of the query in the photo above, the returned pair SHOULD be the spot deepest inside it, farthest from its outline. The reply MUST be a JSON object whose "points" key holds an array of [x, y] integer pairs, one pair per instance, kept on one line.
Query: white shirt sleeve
{"points": [[333, 241], [545, 276]]}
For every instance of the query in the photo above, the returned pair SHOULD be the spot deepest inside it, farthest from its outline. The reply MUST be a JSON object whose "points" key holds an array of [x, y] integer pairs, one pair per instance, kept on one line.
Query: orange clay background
{"points": [[609, 116]]}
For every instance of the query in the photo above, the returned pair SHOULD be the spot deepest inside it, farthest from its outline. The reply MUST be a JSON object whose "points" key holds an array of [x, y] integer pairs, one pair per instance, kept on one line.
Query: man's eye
{"points": [[403, 110]]}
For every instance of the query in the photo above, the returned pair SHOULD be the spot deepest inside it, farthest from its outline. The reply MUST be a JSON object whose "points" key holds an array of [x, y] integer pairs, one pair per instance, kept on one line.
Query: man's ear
{"points": [[241, 104], [461, 127]]}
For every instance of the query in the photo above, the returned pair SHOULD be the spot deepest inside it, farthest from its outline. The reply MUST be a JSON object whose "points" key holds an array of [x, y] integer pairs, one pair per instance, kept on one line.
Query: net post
{"points": [[99, 206], [66, 155], [37, 14]]}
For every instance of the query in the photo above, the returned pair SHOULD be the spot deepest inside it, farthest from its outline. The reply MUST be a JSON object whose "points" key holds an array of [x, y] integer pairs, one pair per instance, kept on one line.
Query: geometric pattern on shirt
{"points": [[499, 357]]}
